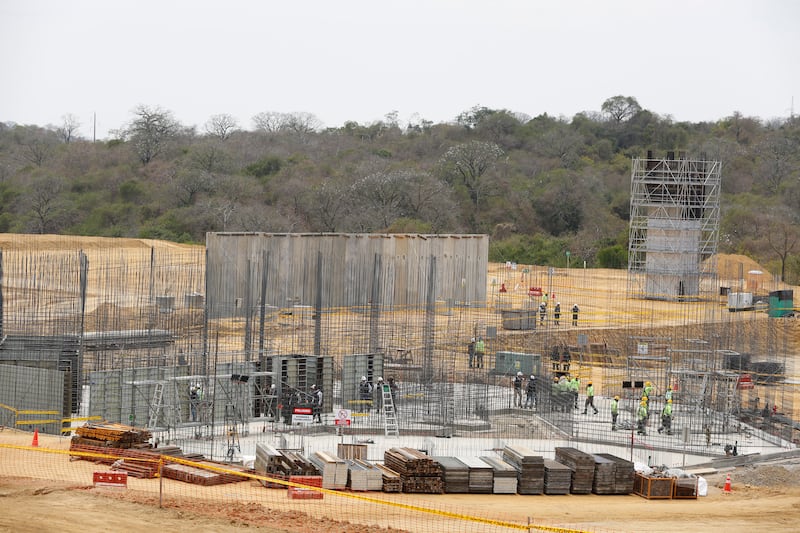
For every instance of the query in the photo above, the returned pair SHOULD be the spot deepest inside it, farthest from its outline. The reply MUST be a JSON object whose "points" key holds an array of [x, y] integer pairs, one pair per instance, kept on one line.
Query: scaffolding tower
{"points": [[674, 226]]}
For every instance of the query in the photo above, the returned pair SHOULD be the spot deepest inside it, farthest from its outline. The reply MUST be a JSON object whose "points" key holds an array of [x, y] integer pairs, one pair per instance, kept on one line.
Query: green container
{"points": [[781, 303], [509, 363]]}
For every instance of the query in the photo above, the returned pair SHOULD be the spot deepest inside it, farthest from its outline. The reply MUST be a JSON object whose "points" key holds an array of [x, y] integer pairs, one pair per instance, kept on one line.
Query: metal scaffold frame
{"points": [[674, 226]]}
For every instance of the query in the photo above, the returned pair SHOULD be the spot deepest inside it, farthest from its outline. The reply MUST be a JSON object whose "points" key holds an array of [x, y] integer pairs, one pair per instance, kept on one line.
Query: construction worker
{"points": [[564, 393], [647, 391], [364, 394], [471, 352], [555, 395], [614, 412], [589, 398], [530, 393], [666, 418], [574, 390], [518, 381], [378, 402], [575, 314], [480, 349], [316, 398], [393, 388], [668, 394], [641, 417], [557, 313], [542, 312], [194, 399]]}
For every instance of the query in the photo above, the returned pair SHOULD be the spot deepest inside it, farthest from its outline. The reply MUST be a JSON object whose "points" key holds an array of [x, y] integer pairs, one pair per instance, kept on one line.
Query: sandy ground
{"points": [[764, 498]]}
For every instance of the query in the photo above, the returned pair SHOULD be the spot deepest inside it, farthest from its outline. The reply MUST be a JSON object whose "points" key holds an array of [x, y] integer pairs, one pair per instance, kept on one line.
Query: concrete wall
{"points": [[355, 269]]}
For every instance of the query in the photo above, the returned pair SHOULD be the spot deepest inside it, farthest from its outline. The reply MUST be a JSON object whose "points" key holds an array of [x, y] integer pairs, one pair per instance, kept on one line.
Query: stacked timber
{"points": [[582, 466], [111, 435], [604, 471], [280, 465], [392, 482], [138, 463], [332, 468], [363, 476], [481, 475], [624, 474], [418, 471], [530, 467], [557, 477], [455, 474], [352, 451], [505, 475], [205, 473]]}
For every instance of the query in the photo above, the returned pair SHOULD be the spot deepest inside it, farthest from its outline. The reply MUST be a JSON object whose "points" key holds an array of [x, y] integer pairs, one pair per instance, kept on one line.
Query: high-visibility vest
{"points": [[614, 407], [642, 412], [590, 390]]}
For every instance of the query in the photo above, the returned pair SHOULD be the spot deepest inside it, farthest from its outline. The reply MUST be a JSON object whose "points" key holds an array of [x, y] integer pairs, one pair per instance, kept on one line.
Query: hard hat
{"points": [[380, 378], [589, 383], [363, 378], [519, 373], [313, 386], [669, 401], [644, 402], [647, 383], [533, 377], [555, 378], [669, 387], [644, 399], [616, 397]]}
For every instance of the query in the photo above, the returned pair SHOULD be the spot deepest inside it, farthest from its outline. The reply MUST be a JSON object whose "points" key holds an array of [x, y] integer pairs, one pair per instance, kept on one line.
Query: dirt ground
{"points": [[764, 498]]}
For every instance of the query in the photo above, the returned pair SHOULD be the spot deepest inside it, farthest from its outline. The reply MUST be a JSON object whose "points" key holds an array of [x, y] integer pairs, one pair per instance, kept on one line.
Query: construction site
{"points": [[215, 348]]}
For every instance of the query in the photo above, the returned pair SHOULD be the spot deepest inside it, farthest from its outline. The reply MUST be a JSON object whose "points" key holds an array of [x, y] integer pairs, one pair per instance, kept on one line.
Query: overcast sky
{"points": [[694, 60]]}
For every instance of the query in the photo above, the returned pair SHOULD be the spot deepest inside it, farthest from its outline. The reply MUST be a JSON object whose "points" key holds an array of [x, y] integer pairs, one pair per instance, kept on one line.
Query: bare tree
{"points": [[269, 121], [467, 163], [36, 145], [779, 159], [43, 201], [621, 108], [221, 126], [782, 236], [69, 127], [151, 131], [302, 123]]}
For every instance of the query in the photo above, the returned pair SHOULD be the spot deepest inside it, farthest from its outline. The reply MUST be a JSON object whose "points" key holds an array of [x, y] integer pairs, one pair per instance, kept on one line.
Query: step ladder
{"points": [[155, 405], [390, 416]]}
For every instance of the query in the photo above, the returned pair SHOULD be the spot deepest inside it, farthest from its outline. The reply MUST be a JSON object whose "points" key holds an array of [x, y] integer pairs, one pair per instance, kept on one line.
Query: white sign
{"points": [[642, 349], [302, 419], [343, 417]]}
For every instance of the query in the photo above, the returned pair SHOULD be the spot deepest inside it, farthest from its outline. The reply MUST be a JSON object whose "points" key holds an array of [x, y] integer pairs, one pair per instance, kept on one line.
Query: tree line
{"points": [[539, 186]]}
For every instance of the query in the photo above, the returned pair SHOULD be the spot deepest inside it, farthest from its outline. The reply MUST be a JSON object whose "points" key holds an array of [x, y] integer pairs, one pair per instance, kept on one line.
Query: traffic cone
{"points": [[35, 442], [727, 488]]}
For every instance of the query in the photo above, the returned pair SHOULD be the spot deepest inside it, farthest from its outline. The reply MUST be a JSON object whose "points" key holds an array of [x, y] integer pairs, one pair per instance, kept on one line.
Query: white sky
{"points": [[358, 60]]}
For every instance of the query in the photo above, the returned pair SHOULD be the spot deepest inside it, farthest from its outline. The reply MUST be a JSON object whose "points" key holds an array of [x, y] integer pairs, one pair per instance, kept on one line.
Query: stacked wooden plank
{"points": [[418, 471], [362, 475], [505, 475], [455, 474], [557, 477], [582, 466], [604, 471], [112, 435], [138, 463], [392, 482], [624, 474], [332, 469], [352, 451], [270, 460], [530, 467], [198, 475], [481, 475]]}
